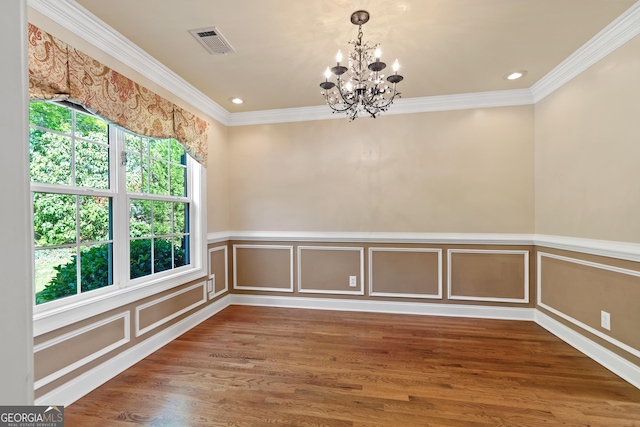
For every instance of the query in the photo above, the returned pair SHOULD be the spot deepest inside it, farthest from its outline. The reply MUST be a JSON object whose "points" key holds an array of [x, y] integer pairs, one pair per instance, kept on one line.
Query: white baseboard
{"points": [[449, 310], [616, 364], [90, 380]]}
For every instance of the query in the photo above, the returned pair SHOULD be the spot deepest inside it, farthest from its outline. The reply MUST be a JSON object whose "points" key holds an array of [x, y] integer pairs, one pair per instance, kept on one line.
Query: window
{"points": [[111, 209], [158, 205]]}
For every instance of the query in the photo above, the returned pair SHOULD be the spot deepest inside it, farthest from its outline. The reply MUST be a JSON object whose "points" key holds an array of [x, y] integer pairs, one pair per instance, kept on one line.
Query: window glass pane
{"points": [[95, 267], [134, 173], [140, 218], [50, 116], [50, 157], [159, 178], [92, 165], [132, 142], [53, 279], [159, 148], [180, 218], [178, 180], [54, 219], [177, 153], [162, 255], [140, 258], [91, 127], [162, 218], [95, 214], [180, 251]]}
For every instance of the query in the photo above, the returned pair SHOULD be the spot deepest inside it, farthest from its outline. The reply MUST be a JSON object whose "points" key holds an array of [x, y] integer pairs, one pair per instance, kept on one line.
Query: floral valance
{"points": [[58, 71]]}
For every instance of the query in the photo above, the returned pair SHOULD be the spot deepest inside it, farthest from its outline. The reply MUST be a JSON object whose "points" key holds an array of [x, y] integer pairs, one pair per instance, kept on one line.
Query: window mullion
{"points": [[120, 208]]}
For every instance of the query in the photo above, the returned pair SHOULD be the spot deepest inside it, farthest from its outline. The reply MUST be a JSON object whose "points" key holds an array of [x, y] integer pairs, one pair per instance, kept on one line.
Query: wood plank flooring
{"points": [[256, 366]]}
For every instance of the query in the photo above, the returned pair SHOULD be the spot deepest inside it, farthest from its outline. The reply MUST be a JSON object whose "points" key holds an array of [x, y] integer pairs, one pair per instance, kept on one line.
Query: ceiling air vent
{"points": [[212, 40]]}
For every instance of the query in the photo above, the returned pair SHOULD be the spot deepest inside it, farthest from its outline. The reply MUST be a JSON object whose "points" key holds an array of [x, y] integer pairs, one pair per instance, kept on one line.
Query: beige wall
{"points": [[588, 151], [454, 171]]}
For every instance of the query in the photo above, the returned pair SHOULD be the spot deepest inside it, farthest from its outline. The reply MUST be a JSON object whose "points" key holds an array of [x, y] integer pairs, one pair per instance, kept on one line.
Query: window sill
{"points": [[49, 320]]}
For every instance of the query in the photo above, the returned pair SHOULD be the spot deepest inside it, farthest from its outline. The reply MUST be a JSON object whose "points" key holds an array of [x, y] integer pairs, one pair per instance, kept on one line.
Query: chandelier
{"points": [[360, 87]]}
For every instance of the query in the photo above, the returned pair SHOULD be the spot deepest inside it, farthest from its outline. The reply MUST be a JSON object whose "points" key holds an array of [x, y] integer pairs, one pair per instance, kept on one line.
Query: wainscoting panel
{"points": [[63, 354], [578, 290], [488, 275], [218, 271], [162, 310], [405, 272], [327, 269], [263, 268]]}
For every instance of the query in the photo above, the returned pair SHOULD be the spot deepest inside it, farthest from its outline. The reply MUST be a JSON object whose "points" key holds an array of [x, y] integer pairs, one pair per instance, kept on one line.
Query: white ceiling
{"points": [[282, 47]]}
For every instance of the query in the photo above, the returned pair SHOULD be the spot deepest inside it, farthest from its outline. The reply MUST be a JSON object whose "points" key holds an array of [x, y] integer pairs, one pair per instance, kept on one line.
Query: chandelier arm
{"points": [[342, 95], [333, 106]]}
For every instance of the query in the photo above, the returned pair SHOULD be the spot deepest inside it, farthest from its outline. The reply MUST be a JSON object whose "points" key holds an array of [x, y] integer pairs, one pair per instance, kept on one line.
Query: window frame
{"points": [[58, 313]]}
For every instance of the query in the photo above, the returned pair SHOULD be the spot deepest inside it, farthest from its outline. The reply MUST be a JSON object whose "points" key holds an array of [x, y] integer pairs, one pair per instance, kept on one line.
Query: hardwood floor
{"points": [[256, 366]]}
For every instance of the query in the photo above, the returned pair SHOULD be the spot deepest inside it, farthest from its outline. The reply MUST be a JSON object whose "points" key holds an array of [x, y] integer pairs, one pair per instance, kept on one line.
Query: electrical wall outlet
{"points": [[605, 320], [209, 285], [353, 281]]}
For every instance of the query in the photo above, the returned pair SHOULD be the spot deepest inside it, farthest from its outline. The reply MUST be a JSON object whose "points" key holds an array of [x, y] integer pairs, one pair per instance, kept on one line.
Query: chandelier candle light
{"points": [[360, 87]]}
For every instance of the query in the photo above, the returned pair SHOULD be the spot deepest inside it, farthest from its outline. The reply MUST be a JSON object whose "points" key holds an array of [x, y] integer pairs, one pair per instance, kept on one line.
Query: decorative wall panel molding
{"points": [[525, 278], [359, 289], [289, 285], [80, 331], [162, 321], [374, 293], [213, 294], [576, 322]]}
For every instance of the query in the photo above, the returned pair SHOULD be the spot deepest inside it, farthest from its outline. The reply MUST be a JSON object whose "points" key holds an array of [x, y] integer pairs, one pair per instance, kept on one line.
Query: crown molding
{"points": [[465, 101], [86, 25], [83, 23], [614, 35]]}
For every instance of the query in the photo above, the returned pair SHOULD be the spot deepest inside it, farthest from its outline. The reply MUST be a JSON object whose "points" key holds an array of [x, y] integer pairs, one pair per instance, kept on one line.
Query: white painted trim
{"points": [[92, 29], [576, 322], [74, 389], [613, 362], [397, 307], [612, 249], [214, 294], [258, 288], [614, 35], [427, 104], [77, 364], [384, 237], [218, 237], [164, 320], [450, 295], [331, 248], [607, 248], [398, 294]]}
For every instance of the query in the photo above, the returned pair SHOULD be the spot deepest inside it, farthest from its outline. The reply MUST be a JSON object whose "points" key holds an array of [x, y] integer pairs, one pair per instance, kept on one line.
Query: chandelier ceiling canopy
{"points": [[360, 87]]}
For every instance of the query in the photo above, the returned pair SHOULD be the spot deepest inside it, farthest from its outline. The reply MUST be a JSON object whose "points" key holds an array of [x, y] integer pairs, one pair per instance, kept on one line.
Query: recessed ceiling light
{"points": [[516, 75], [237, 101]]}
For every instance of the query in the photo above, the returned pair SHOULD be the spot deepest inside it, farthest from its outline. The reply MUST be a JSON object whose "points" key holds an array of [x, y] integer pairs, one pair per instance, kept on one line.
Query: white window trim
{"points": [[56, 314]]}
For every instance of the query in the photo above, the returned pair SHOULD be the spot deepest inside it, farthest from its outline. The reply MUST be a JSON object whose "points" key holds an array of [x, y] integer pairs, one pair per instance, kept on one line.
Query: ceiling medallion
{"points": [[360, 87]]}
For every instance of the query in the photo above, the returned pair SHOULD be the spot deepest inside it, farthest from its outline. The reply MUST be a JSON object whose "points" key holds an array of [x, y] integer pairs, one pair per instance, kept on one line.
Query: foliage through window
{"points": [[81, 207]]}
